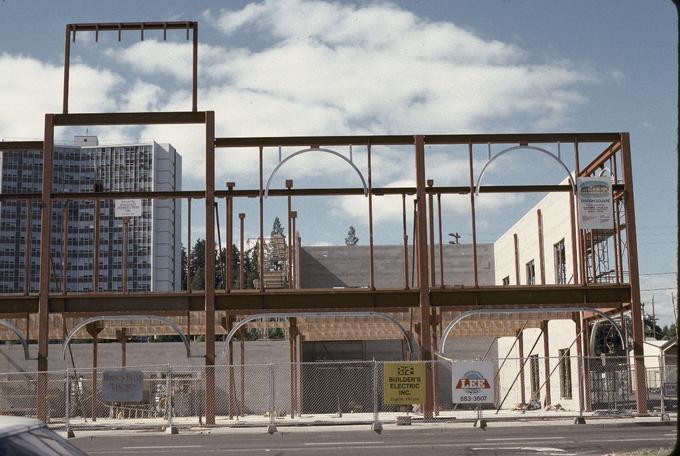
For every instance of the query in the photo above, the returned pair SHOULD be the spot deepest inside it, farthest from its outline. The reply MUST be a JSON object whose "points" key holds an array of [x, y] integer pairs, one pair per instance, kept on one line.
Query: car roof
{"points": [[10, 425]]}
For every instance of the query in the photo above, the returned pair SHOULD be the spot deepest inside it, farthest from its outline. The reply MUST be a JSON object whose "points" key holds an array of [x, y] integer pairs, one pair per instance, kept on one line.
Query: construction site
{"points": [[306, 332]]}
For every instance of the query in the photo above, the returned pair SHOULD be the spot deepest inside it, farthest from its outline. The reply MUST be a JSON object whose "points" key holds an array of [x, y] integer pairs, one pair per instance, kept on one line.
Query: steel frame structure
{"points": [[423, 295]]}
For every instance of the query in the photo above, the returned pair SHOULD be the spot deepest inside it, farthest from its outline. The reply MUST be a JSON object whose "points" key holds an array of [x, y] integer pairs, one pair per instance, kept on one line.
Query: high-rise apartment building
{"points": [[154, 248]]}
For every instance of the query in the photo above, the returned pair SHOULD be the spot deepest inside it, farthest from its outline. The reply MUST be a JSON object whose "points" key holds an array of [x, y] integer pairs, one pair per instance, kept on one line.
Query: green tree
{"points": [[351, 238]]}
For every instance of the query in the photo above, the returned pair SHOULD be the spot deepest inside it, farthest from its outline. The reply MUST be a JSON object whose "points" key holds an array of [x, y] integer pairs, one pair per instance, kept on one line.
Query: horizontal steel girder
{"points": [[598, 297]]}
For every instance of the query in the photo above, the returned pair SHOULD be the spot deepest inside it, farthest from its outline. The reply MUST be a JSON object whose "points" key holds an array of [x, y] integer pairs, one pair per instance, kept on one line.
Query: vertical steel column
{"points": [[581, 233], [424, 291], [546, 360], [45, 250], [633, 273], [67, 64], [209, 267], [126, 234], [261, 246], [242, 255], [430, 235], [592, 255], [27, 247], [289, 185], [520, 348], [541, 247], [94, 329], [516, 238], [230, 369], [242, 344], [403, 214], [441, 242], [618, 254], [371, 271], [228, 273], [293, 217], [189, 245], [64, 248], [95, 259], [474, 217], [194, 73], [292, 332], [574, 249]]}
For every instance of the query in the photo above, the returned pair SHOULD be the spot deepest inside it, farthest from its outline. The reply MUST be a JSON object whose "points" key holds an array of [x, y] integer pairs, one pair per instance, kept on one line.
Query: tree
{"points": [[275, 248], [351, 238], [277, 228]]}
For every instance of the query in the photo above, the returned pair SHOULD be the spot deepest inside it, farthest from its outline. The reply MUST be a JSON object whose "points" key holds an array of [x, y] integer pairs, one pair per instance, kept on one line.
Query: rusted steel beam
{"points": [[423, 275], [115, 26], [129, 118], [600, 297], [376, 140], [44, 287], [253, 193], [210, 267], [541, 247], [636, 310], [549, 295], [32, 146], [67, 66], [601, 159]]}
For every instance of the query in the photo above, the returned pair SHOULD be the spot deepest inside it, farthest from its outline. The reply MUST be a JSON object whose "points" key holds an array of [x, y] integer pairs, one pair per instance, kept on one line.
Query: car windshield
{"points": [[38, 442]]}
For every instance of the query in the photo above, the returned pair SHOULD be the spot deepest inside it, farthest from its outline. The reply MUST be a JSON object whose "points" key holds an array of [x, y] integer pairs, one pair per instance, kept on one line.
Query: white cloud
{"points": [[32, 88]]}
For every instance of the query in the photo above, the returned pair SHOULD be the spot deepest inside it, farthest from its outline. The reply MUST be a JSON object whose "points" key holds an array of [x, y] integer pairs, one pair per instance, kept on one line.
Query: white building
{"points": [[154, 256]]}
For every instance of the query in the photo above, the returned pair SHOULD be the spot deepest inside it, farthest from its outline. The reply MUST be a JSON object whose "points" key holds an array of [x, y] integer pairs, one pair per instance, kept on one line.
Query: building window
{"points": [[534, 372], [565, 374], [506, 281], [531, 273], [560, 262]]}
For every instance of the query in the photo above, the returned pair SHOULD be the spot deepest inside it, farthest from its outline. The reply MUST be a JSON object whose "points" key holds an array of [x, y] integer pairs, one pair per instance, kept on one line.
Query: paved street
{"points": [[551, 439]]}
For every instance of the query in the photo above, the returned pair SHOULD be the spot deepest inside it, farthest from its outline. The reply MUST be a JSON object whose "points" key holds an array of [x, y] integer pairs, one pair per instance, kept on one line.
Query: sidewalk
{"points": [[359, 422]]}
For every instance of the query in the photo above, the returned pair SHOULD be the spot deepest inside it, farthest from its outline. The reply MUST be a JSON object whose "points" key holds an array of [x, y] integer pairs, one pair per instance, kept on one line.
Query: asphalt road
{"points": [[393, 441]]}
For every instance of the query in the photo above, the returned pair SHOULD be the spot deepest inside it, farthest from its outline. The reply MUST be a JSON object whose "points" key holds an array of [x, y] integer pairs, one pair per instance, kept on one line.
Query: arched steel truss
{"points": [[538, 149], [487, 311], [245, 321], [315, 149], [163, 320], [19, 335]]}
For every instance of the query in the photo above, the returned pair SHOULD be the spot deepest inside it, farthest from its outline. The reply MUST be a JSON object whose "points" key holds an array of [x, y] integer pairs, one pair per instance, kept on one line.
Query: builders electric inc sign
{"points": [[472, 382]]}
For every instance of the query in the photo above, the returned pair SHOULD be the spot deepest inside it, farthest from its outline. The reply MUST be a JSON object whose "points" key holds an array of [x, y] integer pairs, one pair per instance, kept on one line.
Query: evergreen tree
{"points": [[275, 248], [351, 238]]}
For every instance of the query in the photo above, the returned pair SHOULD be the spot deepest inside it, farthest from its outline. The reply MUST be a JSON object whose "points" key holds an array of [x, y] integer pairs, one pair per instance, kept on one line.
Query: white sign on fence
{"points": [[472, 382], [123, 386], [595, 206], [128, 208]]}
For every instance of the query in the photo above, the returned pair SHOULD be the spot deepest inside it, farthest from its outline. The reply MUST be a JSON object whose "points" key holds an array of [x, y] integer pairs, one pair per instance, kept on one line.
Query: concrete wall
{"points": [[556, 226], [561, 335], [347, 266]]}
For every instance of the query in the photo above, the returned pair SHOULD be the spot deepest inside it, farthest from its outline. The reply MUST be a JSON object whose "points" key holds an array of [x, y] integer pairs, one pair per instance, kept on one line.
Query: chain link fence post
{"points": [[377, 425], [171, 428], [662, 373], [272, 401], [581, 386], [69, 432]]}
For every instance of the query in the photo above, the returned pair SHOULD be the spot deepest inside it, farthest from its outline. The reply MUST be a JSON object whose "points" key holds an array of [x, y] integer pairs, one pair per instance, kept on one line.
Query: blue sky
{"points": [[296, 67]]}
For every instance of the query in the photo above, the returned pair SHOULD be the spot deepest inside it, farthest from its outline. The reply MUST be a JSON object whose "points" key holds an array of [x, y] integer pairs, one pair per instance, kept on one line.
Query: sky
{"points": [[294, 67]]}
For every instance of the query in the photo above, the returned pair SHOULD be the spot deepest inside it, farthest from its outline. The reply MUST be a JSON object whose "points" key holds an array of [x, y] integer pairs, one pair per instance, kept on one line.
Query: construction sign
{"points": [[472, 382], [404, 383]]}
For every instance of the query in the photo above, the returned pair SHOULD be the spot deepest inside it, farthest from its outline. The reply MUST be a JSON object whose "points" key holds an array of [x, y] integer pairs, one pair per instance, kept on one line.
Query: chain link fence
{"points": [[332, 392]]}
